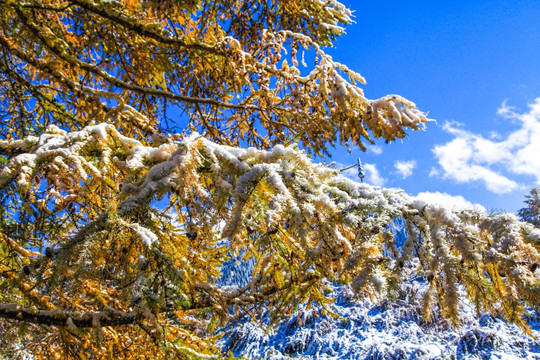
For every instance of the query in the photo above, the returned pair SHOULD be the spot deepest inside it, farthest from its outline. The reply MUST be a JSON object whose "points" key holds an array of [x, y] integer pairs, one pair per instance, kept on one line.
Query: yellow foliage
{"points": [[116, 221]]}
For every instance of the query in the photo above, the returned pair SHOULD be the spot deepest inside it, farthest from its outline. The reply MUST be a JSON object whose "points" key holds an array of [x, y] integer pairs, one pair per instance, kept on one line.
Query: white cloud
{"points": [[456, 203], [375, 149], [405, 168], [373, 176], [434, 172], [471, 157]]}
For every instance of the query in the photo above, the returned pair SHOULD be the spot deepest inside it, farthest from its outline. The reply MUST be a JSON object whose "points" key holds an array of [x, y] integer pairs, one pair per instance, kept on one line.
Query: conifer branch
{"points": [[136, 26], [109, 317], [114, 81]]}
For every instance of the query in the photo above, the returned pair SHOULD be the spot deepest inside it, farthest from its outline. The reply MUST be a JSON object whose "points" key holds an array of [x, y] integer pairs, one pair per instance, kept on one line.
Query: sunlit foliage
{"points": [[229, 69], [116, 215]]}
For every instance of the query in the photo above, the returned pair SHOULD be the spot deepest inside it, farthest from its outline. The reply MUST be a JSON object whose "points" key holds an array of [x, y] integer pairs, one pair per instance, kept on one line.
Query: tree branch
{"points": [[108, 317], [76, 63], [133, 24]]}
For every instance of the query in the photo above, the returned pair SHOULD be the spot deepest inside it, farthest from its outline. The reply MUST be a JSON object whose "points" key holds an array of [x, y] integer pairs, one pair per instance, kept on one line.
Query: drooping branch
{"points": [[108, 317], [96, 71], [249, 87], [139, 28], [493, 257]]}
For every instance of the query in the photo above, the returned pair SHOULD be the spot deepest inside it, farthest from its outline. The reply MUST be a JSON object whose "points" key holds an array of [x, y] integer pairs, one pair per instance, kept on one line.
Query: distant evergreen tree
{"points": [[531, 213]]}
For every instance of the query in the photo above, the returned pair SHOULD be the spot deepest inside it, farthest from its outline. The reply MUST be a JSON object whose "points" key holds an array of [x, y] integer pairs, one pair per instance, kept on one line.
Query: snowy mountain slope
{"points": [[388, 330], [378, 329]]}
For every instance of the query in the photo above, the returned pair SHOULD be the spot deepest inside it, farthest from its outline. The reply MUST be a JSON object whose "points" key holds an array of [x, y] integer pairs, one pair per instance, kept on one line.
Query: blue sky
{"points": [[475, 67]]}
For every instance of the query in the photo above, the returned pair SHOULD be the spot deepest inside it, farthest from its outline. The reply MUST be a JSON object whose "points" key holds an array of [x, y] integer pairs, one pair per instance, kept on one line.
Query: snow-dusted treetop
{"points": [[531, 213], [132, 235]]}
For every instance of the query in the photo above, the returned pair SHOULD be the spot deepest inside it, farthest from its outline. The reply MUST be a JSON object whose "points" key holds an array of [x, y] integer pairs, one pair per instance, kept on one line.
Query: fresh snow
{"points": [[365, 329], [378, 329], [381, 330]]}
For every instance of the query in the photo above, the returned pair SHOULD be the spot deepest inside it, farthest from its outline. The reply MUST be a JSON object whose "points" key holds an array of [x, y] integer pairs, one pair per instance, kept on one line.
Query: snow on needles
{"points": [[276, 202]]}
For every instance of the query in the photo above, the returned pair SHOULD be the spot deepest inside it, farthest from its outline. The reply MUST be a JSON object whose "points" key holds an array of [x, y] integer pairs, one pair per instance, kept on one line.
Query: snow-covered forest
{"points": [[377, 328]]}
